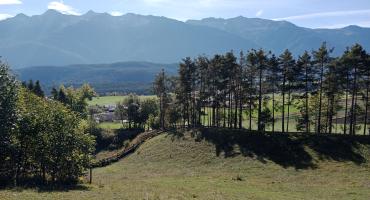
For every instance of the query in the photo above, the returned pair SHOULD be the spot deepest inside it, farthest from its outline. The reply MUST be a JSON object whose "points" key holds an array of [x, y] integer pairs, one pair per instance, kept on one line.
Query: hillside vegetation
{"points": [[230, 164]]}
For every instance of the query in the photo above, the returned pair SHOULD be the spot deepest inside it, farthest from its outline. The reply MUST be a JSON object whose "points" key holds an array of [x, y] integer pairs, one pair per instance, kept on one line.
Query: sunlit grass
{"points": [[111, 125], [172, 167]]}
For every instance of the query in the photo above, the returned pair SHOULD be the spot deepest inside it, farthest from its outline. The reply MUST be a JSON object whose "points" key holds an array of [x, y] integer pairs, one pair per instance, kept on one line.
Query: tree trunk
{"points": [[283, 109], [351, 125], [259, 122], [331, 113], [224, 115], [240, 107], [346, 107], [306, 117], [366, 105], [288, 112], [355, 115], [327, 114], [236, 98], [250, 106], [320, 99], [213, 114], [273, 111], [229, 114]]}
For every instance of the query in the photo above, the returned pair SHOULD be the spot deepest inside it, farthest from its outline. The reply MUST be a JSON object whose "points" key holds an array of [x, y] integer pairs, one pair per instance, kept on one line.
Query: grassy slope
{"points": [[110, 125], [207, 167]]}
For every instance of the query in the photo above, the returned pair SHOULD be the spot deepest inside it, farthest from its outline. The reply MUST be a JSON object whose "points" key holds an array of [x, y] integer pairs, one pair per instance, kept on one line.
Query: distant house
{"points": [[105, 117], [110, 108]]}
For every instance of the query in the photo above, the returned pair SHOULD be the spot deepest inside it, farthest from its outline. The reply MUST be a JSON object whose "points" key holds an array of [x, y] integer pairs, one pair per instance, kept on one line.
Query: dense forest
{"points": [[258, 89]]}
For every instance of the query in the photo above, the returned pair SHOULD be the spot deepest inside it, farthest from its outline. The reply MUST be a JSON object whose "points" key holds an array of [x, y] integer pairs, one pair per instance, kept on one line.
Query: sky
{"points": [[305, 13]]}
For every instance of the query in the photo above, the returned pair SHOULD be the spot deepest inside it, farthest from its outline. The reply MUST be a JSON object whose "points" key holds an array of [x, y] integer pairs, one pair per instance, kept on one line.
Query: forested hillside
{"points": [[124, 77]]}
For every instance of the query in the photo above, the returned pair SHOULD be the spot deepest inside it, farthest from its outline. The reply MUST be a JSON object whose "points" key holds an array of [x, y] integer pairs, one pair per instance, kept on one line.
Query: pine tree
{"points": [[304, 62], [273, 78], [37, 89], [54, 93], [321, 59], [242, 85], [365, 71], [202, 66], [251, 71], [286, 61], [62, 96], [293, 74], [161, 89], [355, 58], [261, 62], [30, 85], [345, 84], [332, 91]]}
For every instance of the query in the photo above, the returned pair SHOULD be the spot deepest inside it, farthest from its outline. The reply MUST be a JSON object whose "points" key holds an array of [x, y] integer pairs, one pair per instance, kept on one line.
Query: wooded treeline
{"points": [[42, 140], [262, 88]]}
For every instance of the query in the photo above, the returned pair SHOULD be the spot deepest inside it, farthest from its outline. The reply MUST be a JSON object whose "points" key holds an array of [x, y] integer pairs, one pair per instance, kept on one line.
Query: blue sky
{"points": [[308, 13]]}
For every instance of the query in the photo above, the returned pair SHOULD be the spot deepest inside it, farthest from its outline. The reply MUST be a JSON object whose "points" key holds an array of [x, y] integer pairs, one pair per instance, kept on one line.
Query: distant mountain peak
{"points": [[353, 27], [21, 15], [52, 12], [92, 13]]}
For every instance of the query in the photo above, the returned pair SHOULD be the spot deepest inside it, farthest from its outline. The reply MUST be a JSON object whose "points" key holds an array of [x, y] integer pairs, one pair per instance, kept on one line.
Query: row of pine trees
{"points": [[263, 89]]}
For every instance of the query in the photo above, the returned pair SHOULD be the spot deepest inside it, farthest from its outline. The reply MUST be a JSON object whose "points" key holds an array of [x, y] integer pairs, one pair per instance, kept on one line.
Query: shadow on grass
{"points": [[63, 188], [286, 150], [46, 188], [110, 140], [176, 133]]}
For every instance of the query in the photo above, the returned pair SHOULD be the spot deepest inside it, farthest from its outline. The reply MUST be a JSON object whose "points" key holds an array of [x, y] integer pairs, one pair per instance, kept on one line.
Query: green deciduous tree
{"points": [[8, 116], [51, 141]]}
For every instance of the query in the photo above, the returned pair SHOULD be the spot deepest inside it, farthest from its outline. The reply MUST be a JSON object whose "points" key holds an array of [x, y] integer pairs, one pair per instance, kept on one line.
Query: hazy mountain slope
{"points": [[116, 77], [279, 35], [347, 35], [56, 39]]}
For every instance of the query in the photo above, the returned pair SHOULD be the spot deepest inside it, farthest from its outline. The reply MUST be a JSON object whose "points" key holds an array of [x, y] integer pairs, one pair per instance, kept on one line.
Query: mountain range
{"points": [[54, 39]]}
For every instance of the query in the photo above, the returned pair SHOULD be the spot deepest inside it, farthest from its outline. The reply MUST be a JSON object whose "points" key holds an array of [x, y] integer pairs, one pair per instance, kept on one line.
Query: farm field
{"points": [[176, 166], [110, 125], [112, 100]]}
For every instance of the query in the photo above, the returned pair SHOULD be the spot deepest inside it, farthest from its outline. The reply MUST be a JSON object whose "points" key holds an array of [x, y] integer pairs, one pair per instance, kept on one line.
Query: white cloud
{"points": [[325, 14], [63, 8], [259, 13], [9, 2], [116, 13], [5, 16]]}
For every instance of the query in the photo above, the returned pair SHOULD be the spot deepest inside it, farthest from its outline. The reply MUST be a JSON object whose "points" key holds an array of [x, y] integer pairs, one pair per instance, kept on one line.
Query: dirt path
{"points": [[134, 144]]}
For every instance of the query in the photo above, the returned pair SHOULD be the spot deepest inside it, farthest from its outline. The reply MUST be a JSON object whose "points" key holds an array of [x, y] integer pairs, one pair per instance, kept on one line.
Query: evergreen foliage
{"points": [[220, 90]]}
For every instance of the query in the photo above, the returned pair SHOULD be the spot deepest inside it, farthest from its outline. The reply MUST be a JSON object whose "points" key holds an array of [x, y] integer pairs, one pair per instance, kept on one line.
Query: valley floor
{"points": [[190, 166]]}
